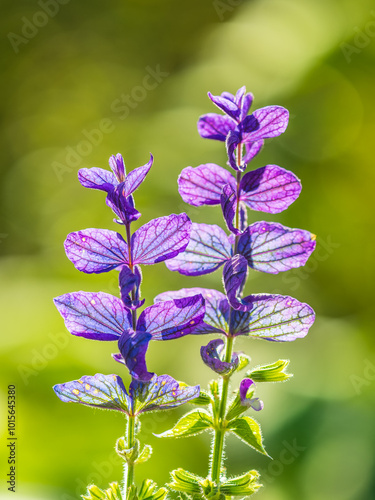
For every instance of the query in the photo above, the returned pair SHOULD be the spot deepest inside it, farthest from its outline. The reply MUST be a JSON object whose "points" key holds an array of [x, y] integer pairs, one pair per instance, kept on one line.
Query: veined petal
{"points": [[274, 317], [213, 126], [228, 206], [202, 185], [135, 178], [98, 391], [215, 304], [96, 250], [252, 149], [207, 250], [160, 393], [269, 189], [97, 178], [118, 167], [97, 316], [161, 239], [272, 122], [133, 347], [272, 247], [227, 105], [172, 319]]}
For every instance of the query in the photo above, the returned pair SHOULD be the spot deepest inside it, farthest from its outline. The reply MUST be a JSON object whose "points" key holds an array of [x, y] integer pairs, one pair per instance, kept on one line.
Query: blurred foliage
{"points": [[314, 57]]}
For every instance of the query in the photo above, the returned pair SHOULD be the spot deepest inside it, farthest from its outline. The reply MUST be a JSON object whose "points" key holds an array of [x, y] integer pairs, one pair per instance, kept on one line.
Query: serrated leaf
{"points": [[248, 430], [144, 455], [241, 485], [190, 424], [274, 372], [186, 482]]}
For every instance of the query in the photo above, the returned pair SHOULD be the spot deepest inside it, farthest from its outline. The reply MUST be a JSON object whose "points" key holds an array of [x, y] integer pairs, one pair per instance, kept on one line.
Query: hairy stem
{"points": [[218, 445], [130, 442]]}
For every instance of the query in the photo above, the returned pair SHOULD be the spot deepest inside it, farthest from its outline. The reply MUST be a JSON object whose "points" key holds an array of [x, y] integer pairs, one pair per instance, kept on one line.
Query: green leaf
{"points": [[130, 455], [243, 361], [241, 485], [149, 491], [94, 493], [144, 455], [186, 482], [203, 399], [248, 430], [270, 373], [113, 492], [190, 424]]}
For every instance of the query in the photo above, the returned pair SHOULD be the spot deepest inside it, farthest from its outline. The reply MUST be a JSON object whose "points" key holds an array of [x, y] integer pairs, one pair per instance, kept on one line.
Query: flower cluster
{"points": [[191, 249]]}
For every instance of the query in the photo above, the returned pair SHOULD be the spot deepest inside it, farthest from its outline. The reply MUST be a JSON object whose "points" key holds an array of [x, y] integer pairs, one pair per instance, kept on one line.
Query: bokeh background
{"points": [[68, 70]]}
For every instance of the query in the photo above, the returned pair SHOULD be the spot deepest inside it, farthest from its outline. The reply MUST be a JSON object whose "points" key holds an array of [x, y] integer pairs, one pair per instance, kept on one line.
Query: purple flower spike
{"points": [[269, 189], [98, 391], [161, 393], [213, 126], [272, 247], [246, 395], [133, 347], [161, 239], [97, 316], [212, 357], [215, 304], [228, 206], [173, 318], [207, 250], [234, 276], [202, 185], [96, 250], [118, 167]]}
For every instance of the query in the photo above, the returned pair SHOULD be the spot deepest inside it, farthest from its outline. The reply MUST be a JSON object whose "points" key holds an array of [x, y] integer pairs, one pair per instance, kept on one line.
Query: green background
{"points": [[60, 81]]}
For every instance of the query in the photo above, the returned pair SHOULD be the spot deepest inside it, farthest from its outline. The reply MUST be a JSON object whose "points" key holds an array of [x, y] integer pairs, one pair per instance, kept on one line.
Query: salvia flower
{"points": [[237, 128], [101, 316], [108, 392], [212, 356]]}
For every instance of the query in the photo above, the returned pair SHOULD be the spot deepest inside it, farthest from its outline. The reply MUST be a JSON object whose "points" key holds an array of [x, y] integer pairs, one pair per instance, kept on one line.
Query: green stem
{"points": [[130, 442], [218, 445]]}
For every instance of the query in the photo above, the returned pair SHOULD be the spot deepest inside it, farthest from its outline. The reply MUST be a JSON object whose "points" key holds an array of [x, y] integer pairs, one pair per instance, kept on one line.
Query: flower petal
{"points": [[97, 178], [161, 393], [161, 239], [272, 247], [234, 276], [118, 167], [207, 250], [213, 126], [274, 317], [98, 391], [133, 347], [228, 206], [202, 185], [96, 250], [215, 304], [211, 356], [272, 122], [269, 189], [135, 178], [97, 316], [172, 319]]}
